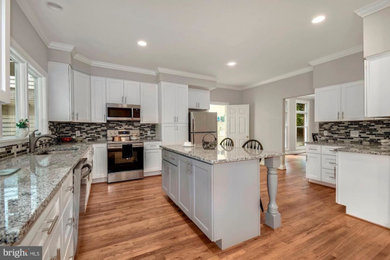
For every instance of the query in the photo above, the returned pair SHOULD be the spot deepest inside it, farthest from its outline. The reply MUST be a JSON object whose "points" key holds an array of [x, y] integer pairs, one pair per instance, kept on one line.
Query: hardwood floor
{"points": [[135, 220]]}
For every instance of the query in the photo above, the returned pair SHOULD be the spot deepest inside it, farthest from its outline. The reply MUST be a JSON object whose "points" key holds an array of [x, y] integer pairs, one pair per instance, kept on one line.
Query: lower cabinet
{"points": [[186, 181], [99, 170], [313, 166], [165, 176], [321, 164], [173, 182], [174, 133]]}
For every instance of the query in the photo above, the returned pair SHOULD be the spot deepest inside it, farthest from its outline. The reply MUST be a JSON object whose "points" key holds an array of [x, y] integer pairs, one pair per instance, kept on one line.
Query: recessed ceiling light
{"points": [[54, 6], [231, 63], [318, 19], [142, 43]]}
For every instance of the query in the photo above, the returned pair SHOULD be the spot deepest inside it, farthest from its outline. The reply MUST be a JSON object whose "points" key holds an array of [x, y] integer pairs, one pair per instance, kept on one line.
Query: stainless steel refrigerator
{"points": [[202, 123]]}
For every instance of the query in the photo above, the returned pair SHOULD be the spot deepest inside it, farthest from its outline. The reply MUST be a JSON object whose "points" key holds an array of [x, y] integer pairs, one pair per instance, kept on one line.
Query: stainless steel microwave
{"points": [[123, 112]]}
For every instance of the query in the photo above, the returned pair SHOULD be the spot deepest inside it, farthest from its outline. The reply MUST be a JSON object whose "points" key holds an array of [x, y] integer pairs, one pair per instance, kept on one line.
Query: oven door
{"points": [[119, 163]]}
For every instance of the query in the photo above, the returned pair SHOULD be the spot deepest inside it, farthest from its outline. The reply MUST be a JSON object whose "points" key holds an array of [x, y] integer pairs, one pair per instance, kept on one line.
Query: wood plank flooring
{"points": [[135, 220]]}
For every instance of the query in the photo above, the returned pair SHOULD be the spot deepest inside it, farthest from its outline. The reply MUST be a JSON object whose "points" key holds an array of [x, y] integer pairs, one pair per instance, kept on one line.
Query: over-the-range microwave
{"points": [[123, 112]]}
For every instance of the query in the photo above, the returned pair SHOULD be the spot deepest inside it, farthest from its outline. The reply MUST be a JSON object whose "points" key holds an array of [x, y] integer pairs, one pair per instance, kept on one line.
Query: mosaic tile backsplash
{"points": [[370, 132], [94, 131]]}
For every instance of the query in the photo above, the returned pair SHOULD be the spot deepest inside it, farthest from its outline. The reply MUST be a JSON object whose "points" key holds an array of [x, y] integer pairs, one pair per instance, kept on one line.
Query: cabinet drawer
{"points": [[67, 190], [329, 150], [152, 145], [328, 176], [67, 224], [328, 162], [313, 148], [170, 157]]}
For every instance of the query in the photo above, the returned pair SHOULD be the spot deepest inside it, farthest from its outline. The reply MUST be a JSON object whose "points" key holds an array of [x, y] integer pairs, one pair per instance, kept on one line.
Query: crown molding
{"points": [[106, 65], [337, 55], [82, 58], [372, 8], [60, 46], [226, 86], [185, 74], [27, 10], [284, 76]]}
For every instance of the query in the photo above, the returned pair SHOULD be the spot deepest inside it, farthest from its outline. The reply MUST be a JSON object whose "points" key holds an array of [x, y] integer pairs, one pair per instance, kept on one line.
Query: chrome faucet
{"points": [[33, 139]]}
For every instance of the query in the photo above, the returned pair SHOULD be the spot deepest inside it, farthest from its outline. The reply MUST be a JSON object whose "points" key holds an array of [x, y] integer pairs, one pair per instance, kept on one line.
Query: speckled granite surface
{"points": [[26, 193], [358, 148], [220, 155]]}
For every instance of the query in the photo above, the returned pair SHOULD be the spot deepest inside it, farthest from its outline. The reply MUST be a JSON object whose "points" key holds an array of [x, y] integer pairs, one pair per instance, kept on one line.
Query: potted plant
{"points": [[22, 128]]}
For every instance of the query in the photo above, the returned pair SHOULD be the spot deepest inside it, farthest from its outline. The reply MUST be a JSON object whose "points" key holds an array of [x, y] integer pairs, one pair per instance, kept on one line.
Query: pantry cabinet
{"points": [[198, 99], [377, 89], [81, 97], [98, 99], [340, 102]]}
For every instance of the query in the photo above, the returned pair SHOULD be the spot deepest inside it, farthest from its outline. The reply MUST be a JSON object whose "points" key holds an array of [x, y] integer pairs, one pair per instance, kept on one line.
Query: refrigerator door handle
{"points": [[193, 125]]}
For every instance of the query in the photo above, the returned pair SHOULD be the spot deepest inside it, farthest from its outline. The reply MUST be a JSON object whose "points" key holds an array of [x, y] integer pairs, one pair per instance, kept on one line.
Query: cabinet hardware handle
{"points": [[342, 115], [72, 116], [77, 116], [70, 189], [53, 223], [338, 115], [125, 99], [333, 150], [333, 163]]}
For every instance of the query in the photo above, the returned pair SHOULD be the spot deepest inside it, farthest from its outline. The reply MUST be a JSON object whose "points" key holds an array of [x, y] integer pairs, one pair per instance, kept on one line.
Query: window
{"points": [[286, 119], [8, 111], [32, 100], [301, 123]]}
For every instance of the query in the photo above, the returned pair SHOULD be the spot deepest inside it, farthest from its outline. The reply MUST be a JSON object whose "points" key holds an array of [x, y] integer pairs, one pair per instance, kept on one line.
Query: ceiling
{"points": [[266, 38]]}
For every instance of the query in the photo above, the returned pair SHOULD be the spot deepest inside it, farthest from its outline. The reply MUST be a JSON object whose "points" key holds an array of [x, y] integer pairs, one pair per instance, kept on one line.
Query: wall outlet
{"points": [[326, 133], [355, 133], [78, 133]]}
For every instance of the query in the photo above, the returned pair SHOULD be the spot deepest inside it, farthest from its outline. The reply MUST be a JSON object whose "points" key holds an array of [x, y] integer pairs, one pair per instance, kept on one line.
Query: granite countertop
{"points": [[220, 155], [375, 149], [26, 193]]}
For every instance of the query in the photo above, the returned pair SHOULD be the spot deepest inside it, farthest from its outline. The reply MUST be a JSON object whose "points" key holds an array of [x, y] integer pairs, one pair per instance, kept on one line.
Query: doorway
{"points": [[220, 109]]}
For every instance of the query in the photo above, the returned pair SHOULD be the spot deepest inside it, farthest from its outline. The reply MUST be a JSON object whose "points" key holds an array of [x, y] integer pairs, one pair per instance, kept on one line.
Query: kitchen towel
{"points": [[127, 151]]}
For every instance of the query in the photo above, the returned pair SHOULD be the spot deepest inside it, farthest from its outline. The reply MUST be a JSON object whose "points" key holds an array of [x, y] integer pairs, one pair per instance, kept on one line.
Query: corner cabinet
{"points": [[198, 99], [340, 102], [377, 88]]}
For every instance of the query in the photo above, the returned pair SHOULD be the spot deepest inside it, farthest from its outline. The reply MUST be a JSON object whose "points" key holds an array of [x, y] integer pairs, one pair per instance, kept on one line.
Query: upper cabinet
{"points": [[81, 97], [198, 99], [5, 36], [173, 101], [376, 35], [131, 93], [98, 99], [115, 91], [149, 103], [377, 78], [60, 91], [340, 103]]}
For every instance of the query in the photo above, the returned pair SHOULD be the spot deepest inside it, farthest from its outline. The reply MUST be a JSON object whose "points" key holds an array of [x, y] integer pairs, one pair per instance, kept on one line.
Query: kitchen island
{"points": [[219, 190]]}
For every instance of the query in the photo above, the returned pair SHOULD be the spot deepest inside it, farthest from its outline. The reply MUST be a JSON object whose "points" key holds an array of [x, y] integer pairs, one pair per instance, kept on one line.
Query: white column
{"points": [[272, 216]]}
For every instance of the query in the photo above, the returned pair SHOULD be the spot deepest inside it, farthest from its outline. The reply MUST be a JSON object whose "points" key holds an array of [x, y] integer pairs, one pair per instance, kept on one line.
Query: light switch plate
{"points": [[78, 133], [355, 133]]}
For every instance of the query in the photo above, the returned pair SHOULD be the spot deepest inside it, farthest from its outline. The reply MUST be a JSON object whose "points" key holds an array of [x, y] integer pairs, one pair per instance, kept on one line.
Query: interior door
{"points": [[82, 97], [238, 123]]}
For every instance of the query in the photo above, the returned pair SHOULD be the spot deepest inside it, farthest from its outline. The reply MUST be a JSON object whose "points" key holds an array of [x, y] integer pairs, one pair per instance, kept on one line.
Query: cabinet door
{"points": [[202, 197], [54, 249], [149, 103], [204, 99], [81, 97], [185, 186], [168, 103], [168, 134], [99, 169], [181, 133], [313, 166], [98, 99], [181, 104], [59, 88], [173, 182], [352, 101], [152, 160], [115, 91], [165, 176], [377, 80], [131, 93], [327, 104], [193, 98]]}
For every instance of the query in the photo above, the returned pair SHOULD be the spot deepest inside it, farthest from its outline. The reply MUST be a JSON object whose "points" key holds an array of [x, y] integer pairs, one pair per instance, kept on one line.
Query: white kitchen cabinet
{"points": [[181, 104], [54, 247], [99, 170], [181, 133], [60, 91], [173, 182], [202, 211], [185, 185], [173, 103], [149, 103], [340, 103], [313, 166], [114, 89], [198, 99], [152, 158], [131, 92], [174, 133], [165, 176], [81, 97], [377, 88], [98, 99]]}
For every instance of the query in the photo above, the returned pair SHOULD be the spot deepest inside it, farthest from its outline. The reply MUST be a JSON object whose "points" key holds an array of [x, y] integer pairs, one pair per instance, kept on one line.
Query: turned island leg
{"points": [[272, 216]]}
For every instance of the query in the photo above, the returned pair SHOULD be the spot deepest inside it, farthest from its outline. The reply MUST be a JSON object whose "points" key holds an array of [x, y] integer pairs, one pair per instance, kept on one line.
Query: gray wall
{"points": [[343, 70], [376, 32], [25, 35], [229, 96], [209, 84], [59, 56], [267, 108]]}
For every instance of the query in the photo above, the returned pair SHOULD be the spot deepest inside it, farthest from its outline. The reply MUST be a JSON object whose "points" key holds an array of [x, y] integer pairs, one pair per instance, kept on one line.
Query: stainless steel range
{"points": [[125, 157]]}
